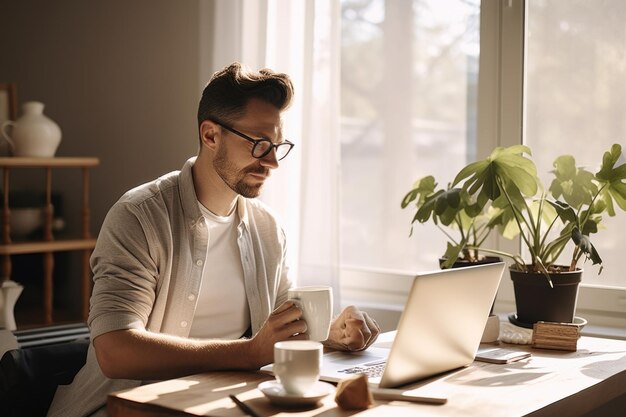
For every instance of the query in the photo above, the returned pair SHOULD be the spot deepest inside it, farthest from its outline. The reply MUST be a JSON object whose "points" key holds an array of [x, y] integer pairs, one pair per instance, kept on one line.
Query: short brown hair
{"points": [[226, 94]]}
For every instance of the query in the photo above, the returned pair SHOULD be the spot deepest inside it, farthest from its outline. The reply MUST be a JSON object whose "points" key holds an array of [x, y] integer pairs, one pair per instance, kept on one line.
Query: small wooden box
{"points": [[558, 336]]}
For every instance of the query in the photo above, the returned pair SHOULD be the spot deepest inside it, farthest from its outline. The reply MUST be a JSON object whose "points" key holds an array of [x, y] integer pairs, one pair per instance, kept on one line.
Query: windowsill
{"points": [[384, 292], [604, 332]]}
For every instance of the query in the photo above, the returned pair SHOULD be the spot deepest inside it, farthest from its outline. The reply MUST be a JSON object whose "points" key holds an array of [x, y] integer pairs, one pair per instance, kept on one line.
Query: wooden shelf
{"points": [[48, 244], [62, 162], [51, 246], [29, 318]]}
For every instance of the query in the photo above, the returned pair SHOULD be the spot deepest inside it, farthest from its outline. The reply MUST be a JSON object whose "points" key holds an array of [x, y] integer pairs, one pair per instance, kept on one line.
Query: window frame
{"points": [[501, 121]]}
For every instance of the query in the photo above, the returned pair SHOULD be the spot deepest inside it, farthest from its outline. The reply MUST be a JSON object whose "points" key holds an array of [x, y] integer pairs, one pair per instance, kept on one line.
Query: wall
{"points": [[121, 78]]}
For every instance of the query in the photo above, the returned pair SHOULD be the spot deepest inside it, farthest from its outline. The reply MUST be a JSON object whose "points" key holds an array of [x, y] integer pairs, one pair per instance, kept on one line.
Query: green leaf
{"points": [[585, 245], [619, 173], [524, 180], [564, 211], [606, 199], [411, 196], [469, 171], [575, 185], [618, 192], [565, 167], [609, 159], [612, 178], [422, 188], [428, 207], [519, 149], [473, 210], [505, 166], [451, 255], [591, 226], [448, 199], [449, 205]]}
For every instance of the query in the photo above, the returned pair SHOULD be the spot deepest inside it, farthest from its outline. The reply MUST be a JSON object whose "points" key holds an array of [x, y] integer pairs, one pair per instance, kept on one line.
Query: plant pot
{"points": [[460, 263], [537, 301]]}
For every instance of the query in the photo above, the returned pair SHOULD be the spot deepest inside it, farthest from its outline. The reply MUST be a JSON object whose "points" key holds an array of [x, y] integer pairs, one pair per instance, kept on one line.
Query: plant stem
{"points": [[545, 235], [517, 215], [537, 229], [516, 258], [447, 235]]}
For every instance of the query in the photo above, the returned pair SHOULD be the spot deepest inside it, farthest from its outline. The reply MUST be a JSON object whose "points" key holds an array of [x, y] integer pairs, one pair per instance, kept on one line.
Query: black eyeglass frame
{"points": [[256, 143]]}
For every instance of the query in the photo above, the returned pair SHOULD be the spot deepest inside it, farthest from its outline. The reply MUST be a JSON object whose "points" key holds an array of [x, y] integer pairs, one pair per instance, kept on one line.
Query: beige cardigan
{"points": [[147, 262]]}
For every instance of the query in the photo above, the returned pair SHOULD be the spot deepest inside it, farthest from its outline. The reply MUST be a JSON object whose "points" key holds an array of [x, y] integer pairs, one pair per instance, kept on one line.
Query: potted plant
{"points": [[547, 224], [466, 225], [452, 210]]}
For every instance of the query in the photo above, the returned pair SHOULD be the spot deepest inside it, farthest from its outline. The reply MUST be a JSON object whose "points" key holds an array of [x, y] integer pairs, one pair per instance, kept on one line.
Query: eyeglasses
{"points": [[262, 147]]}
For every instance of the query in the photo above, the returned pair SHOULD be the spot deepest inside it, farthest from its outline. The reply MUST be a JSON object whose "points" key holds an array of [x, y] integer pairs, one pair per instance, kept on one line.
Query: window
{"points": [[552, 73], [409, 73], [575, 98]]}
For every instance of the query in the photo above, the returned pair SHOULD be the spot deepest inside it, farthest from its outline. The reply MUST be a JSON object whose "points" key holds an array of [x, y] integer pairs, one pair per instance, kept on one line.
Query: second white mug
{"points": [[297, 365]]}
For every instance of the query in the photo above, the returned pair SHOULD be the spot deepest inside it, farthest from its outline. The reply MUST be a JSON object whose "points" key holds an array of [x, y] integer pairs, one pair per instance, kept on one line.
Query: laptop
{"points": [[439, 330]]}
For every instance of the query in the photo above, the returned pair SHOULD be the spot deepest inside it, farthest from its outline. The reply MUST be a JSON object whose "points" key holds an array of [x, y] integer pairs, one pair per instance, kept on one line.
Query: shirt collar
{"points": [[190, 199], [242, 209]]}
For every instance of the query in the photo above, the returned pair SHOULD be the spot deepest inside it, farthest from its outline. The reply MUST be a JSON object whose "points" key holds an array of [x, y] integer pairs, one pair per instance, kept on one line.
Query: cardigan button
{"points": [[183, 324]]}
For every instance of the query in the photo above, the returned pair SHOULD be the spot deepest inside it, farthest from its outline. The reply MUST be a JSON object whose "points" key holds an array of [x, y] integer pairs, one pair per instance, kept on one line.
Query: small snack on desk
{"points": [[353, 393]]}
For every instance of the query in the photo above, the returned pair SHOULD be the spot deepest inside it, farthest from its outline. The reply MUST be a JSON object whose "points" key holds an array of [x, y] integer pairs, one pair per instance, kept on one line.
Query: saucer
{"points": [[277, 395], [578, 321]]}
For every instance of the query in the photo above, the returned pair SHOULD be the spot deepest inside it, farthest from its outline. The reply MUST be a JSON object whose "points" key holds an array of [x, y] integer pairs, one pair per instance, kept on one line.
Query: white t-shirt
{"points": [[222, 311]]}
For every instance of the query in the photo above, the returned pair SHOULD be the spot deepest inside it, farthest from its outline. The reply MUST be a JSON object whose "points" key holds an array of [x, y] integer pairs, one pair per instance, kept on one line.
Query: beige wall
{"points": [[121, 78]]}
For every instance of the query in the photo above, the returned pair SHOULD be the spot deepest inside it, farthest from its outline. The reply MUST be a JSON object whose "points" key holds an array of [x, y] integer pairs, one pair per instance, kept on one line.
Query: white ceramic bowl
{"points": [[25, 221]]}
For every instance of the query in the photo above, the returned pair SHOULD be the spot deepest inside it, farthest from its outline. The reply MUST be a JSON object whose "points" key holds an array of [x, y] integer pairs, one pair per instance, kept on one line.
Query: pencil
{"points": [[243, 407], [390, 394]]}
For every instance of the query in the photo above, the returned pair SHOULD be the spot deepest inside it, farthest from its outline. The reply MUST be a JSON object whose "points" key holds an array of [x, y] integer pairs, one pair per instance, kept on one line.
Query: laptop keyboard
{"points": [[371, 369]]}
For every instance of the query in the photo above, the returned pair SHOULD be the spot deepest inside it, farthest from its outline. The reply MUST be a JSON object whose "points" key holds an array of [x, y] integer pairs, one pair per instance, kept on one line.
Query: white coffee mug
{"points": [[317, 309], [297, 365]]}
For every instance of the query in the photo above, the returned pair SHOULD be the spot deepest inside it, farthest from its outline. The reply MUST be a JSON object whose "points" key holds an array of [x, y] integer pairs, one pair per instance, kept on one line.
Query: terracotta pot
{"points": [[537, 301]]}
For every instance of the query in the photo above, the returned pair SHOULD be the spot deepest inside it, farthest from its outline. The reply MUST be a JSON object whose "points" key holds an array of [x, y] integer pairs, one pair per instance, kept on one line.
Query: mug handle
{"points": [[6, 134], [279, 369]]}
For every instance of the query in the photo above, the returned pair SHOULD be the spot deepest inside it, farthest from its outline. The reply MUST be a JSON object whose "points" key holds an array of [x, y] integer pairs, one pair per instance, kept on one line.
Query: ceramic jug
{"points": [[33, 134], [9, 293]]}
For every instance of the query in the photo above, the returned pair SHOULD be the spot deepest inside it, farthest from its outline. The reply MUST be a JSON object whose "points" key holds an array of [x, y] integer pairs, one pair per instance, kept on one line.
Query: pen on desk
{"points": [[243, 407], [390, 394]]}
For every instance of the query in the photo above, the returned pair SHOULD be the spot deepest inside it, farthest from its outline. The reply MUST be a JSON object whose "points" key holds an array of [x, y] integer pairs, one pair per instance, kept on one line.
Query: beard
{"points": [[235, 177]]}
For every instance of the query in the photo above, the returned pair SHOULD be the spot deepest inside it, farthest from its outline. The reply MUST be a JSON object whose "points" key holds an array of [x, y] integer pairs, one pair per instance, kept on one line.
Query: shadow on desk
{"points": [[516, 373]]}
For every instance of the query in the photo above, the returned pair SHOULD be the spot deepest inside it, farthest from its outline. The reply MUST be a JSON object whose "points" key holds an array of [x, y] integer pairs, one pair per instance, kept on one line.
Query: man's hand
{"points": [[352, 330], [283, 324]]}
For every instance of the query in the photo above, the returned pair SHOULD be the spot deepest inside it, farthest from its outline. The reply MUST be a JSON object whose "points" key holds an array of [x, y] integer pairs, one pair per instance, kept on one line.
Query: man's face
{"points": [[233, 160]]}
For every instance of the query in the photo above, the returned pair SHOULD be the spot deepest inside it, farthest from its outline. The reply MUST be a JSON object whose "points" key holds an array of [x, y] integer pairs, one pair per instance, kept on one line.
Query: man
{"points": [[189, 270]]}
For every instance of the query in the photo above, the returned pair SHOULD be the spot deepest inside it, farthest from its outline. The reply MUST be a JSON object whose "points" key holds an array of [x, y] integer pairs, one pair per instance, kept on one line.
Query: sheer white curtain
{"points": [[300, 38]]}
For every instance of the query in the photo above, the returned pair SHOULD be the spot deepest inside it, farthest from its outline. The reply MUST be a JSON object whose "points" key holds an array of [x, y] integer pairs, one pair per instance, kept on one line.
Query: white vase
{"points": [[9, 293], [34, 134], [492, 330]]}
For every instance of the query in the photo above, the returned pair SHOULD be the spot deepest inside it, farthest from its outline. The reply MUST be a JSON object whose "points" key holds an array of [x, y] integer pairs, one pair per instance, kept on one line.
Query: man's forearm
{"points": [[142, 355]]}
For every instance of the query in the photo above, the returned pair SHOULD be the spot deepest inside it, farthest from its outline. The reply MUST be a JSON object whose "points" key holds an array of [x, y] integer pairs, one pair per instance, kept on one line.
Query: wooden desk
{"points": [[550, 383]]}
